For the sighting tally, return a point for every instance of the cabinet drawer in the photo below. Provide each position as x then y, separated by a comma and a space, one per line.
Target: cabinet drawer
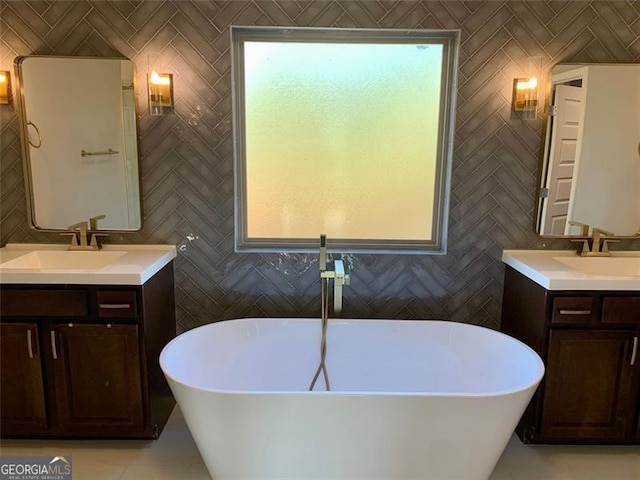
43, 303
573, 310
622, 310
117, 303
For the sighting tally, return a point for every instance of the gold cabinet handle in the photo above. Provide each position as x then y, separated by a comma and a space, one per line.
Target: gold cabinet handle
114, 306
29, 344
634, 351
53, 345
575, 312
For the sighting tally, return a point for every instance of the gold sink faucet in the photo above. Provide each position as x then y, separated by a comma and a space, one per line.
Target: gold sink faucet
600, 240
83, 236
78, 233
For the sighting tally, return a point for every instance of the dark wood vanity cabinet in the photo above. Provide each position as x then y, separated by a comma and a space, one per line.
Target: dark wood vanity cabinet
82, 360
589, 342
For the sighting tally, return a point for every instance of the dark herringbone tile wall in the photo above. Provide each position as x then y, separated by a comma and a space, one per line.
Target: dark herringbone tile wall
186, 157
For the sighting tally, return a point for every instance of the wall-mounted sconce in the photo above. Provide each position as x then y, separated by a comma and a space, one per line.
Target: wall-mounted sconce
524, 102
5, 87
160, 92
525, 94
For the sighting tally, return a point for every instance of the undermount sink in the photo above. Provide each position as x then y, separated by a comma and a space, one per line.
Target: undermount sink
608, 266
63, 260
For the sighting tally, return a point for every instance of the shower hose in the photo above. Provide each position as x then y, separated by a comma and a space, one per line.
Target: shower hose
322, 367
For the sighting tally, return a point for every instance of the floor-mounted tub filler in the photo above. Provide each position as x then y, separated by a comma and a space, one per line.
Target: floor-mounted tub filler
426, 400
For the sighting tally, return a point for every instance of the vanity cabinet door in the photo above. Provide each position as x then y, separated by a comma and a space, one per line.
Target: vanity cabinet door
22, 409
590, 390
97, 379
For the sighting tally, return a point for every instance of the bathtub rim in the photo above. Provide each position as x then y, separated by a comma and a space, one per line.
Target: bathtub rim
497, 393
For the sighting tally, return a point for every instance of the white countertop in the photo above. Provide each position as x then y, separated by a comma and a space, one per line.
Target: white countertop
135, 266
541, 267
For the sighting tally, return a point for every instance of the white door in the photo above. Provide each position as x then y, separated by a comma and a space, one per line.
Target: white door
563, 151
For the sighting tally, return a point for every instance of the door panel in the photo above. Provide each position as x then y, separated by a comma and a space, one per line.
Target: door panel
98, 383
562, 156
588, 389
22, 408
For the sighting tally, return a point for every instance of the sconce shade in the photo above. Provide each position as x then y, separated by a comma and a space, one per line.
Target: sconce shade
160, 92
525, 94
5, 87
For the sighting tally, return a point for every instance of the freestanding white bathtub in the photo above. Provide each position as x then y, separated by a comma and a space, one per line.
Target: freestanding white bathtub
426, 400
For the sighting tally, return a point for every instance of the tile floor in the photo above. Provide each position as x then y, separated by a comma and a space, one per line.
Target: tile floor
174, 457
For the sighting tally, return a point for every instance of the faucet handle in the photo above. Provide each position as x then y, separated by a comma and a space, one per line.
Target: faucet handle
74, 237
605, 244
585, 246
93, 221
94, 239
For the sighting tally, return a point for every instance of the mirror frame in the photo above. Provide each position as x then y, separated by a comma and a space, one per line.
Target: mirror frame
20, 111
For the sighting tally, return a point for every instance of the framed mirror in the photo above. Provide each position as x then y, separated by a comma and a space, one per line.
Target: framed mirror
79, 140
590, 171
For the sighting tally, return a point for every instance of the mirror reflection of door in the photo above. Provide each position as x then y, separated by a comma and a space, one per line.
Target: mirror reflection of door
607, 191
591, 163
565, 138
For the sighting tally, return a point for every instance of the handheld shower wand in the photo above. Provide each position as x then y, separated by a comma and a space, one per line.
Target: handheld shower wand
324, 284
322, 259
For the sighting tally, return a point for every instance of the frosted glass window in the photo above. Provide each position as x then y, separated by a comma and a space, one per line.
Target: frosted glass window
343, 133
